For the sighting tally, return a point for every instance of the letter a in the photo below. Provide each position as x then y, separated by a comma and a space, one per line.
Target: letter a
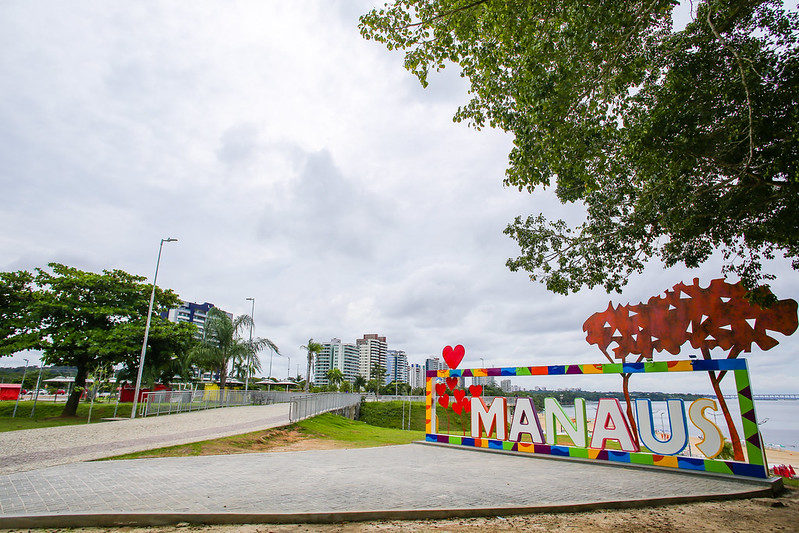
525, 422
611, 424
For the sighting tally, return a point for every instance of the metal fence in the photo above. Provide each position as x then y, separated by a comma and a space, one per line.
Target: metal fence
391, 398
307, 405
302, 405
169, 402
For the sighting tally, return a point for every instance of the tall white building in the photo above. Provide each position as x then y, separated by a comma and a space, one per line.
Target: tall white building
372, 349
417, 376
396, 366
336, 354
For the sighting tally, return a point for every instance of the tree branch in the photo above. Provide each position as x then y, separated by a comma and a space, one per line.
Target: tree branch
726, 45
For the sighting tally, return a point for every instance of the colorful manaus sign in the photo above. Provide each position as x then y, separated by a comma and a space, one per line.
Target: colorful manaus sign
609, 425
522, 431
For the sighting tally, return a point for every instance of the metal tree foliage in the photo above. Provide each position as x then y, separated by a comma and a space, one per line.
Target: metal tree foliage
720, 316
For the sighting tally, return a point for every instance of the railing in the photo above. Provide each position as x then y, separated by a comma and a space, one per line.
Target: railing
308, 405
169, 402
391, 398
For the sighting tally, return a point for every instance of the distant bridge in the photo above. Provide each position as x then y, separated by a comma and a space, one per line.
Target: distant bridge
775, 396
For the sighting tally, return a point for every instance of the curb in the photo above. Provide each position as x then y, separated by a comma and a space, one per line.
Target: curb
165, 519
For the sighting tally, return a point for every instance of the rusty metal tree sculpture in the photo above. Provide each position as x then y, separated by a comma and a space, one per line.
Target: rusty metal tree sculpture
717, 317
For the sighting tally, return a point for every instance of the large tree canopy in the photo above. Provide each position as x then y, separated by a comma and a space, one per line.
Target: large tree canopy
82, 319
678, 143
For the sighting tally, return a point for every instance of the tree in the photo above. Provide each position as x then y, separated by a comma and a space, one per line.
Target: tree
17, 320
77, 318
312, 348
224, 345
678, 143
359, 383
335, 376
378, 373
169, 350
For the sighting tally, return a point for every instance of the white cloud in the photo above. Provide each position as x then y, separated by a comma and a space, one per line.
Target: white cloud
296, 163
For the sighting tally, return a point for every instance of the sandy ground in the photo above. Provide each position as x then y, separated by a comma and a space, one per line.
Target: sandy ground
783, 457
744, 516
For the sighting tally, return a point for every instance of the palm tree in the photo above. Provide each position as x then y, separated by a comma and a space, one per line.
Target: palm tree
359, 382
223, 343
313, 348
335, 376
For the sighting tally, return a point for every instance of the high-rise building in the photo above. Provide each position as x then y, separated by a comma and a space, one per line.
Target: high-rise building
336, 354
193, 313
417, 376
372, 350
433, 363
505, 385
396, 366
484, 380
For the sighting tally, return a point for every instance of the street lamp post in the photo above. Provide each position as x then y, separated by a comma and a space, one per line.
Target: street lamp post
271, 355
20, 388
38, 385
147, 329
249, 352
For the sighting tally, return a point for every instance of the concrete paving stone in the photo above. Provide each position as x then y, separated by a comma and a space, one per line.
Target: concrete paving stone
324, 481
53, 479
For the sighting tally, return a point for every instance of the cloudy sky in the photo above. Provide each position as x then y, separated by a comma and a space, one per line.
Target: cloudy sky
297, 164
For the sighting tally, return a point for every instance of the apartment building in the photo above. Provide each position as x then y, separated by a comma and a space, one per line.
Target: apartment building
372, 349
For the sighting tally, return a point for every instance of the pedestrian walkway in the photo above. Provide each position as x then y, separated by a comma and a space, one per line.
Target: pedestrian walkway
394, 482
37, 448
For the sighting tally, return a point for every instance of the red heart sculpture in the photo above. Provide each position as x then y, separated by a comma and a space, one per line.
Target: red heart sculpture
453, 356
441, 389
444, 401
459, 394
452, 383
475, 390
467, 405
457, 407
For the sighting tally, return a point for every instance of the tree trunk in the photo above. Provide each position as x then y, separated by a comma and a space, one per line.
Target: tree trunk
71, 407
222, 383
630, 417
308, 373
736, 440
715, 381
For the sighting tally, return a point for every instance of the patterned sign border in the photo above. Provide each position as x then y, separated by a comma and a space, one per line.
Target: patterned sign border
756, 467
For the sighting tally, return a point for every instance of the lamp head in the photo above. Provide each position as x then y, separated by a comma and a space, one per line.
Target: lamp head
169, 239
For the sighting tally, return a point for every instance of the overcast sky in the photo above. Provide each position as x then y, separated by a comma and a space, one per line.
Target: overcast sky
297, 164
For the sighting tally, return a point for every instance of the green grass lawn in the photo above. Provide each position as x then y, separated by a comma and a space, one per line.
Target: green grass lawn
48, 414
356, 432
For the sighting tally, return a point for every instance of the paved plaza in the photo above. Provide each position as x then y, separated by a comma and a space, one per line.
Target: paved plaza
36, 448
409, 481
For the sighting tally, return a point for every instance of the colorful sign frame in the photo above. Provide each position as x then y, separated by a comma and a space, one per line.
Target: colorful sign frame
756, 467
